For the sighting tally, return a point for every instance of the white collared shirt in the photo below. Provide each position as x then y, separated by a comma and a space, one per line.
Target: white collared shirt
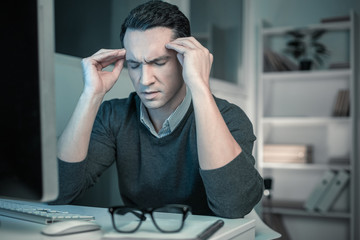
171, 122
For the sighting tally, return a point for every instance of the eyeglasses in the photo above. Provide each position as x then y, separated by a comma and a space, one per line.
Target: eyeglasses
128, 219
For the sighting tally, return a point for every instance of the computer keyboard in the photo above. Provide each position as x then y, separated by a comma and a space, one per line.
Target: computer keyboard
34, 213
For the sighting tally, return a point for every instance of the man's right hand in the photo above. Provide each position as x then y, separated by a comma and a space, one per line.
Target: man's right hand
73, 143
97, 81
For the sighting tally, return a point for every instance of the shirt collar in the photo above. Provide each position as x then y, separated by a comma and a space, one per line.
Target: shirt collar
171, 122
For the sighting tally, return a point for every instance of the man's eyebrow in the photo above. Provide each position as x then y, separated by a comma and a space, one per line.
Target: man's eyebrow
161, 58
158, 59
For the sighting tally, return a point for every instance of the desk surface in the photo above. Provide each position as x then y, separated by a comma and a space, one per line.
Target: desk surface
13, 229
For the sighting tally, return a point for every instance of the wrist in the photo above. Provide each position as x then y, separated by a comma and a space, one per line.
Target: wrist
200, 92
92, 96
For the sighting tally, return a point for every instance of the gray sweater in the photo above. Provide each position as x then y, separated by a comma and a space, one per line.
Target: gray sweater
154, 171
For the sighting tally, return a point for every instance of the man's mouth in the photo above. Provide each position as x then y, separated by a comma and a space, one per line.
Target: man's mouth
149, 95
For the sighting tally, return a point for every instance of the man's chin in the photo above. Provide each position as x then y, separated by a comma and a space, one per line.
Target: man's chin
153, 104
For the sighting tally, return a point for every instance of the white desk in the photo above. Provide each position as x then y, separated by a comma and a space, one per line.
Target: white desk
13, 229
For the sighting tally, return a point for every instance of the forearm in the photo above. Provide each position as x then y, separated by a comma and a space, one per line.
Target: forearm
74, 142
216, 146
233, 185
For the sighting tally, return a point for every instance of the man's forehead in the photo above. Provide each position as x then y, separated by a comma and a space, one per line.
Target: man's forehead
148, 44
148, 55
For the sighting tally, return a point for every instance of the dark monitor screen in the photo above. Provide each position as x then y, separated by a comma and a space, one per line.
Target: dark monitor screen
28, 168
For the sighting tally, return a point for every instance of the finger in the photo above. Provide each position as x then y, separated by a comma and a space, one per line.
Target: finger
101, 51
118, 67
107, 57
180, 57
194, 42
104, 50
176, 47
211, 59
185, 42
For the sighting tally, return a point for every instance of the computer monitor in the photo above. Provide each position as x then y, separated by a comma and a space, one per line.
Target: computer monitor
28, 165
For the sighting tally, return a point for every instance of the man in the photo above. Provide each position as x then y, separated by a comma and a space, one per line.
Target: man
172, 140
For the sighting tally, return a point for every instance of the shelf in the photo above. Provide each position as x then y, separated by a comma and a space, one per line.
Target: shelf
305, 166
296, 208
306, 75
303, 212
326, 26
305, 120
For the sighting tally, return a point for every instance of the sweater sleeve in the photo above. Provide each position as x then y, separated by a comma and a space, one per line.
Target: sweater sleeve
71, 177
76, 178
234, 189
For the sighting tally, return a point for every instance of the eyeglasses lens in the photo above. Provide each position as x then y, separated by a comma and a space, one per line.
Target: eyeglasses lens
127, 220
165, 224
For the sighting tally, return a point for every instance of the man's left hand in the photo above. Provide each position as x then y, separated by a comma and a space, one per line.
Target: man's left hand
196, 61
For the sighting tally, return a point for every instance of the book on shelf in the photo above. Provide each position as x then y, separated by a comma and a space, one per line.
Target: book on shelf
274, 62
342, 103
287, 153
333, 192
342, 202
319, 190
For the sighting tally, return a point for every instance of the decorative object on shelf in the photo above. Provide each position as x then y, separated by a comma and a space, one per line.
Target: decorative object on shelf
287, 153
305, 48
267, 187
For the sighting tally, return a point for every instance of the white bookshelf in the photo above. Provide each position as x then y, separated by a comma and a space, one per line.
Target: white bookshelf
296, 107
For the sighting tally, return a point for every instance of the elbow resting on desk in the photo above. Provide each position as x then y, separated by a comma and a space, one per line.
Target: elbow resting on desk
234, 197
240, 208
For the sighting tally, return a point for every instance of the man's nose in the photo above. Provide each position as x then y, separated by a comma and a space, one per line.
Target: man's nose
147, 75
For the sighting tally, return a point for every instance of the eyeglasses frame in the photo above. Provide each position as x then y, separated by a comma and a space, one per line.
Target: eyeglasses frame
186, 210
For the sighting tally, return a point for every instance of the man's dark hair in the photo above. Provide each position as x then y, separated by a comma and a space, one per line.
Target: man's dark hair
156, 14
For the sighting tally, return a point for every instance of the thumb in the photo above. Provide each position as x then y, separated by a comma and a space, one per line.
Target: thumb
180, 57
118, 67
